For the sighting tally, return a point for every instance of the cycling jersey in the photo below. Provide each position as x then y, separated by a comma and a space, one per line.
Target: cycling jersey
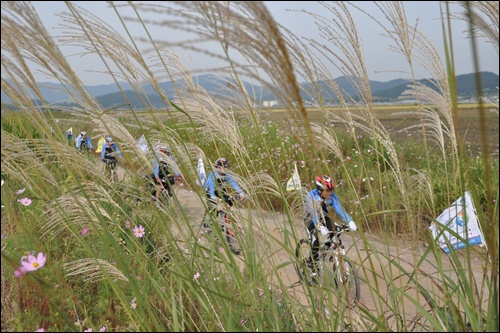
316, 207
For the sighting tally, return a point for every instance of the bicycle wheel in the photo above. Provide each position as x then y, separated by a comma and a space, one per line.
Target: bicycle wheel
345, 279
114, 172
303, 264
228, 227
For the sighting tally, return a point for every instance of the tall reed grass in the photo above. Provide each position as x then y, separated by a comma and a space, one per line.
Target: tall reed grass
101, 272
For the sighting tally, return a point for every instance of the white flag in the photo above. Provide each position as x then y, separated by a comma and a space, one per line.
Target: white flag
461, 218
142, 144
201, 172
294, 181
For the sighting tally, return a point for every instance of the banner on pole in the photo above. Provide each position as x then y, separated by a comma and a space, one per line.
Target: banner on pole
142, 144
294, 181
201, 172
458, 224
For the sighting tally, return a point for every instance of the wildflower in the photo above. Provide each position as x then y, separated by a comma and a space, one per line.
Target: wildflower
33, 263
25, 201
139, 231
2, 182
348, 158
327, 312
196, 275
133, 304
88, 329
21, 271
84, 231
127, 224
21, 191
40, 329
102, 329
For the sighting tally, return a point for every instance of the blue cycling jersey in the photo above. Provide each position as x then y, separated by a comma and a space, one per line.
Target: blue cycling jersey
213, 178
315, 210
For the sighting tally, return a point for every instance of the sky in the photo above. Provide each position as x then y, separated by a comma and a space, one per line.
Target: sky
382, 63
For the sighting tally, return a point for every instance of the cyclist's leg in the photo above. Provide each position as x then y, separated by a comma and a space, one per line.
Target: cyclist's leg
314, 240
114, 170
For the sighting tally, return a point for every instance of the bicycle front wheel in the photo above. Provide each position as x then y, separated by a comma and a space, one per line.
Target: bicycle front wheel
345, 279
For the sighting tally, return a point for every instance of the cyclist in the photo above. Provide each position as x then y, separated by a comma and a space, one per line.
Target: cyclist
217, 181
109, 152
162, 174
318, 201
69, 136
83, 141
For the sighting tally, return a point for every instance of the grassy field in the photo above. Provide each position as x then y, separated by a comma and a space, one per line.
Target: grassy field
397, 119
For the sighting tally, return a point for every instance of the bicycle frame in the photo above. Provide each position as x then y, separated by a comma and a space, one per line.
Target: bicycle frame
220, 212
111, 169
333, 268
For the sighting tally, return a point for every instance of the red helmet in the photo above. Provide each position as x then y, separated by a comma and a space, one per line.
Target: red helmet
324, 183
221, 162
165, 150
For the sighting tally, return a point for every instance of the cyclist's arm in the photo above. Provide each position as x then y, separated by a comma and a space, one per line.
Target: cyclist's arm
156, 171
235, 185
117, 151
310, 208
103, 151
156, 168
335, 202
211, 184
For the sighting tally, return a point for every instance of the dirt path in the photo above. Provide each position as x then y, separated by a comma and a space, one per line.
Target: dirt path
377, 263
372, 260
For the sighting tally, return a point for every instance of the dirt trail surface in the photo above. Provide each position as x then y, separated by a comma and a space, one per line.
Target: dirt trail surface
371, 257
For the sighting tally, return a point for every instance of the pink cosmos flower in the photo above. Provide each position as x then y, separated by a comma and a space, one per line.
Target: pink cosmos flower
139, 231
127, 224
40, 330
88, 329
102, 329
133, 304
20, 271
25, 201
84, 231
21, 191
196, 275
33, 263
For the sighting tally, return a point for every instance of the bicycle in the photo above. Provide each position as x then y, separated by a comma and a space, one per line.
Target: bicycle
332, 268
153, 187
110, 169
220, 211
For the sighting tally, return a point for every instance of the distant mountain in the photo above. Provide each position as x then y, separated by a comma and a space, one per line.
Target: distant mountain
110, 96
